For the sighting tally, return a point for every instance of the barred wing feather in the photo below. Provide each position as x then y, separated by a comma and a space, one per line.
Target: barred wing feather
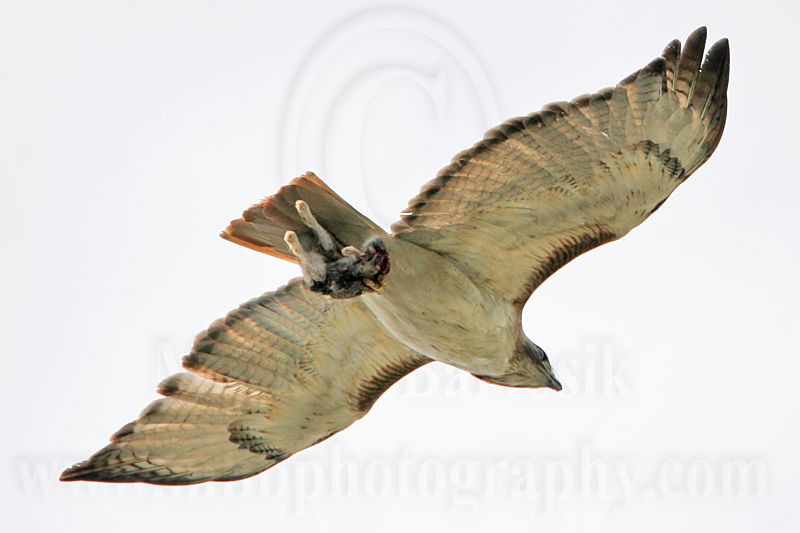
280, 373
539, 190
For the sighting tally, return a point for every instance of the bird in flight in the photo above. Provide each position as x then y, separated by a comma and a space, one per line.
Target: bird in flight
290, 368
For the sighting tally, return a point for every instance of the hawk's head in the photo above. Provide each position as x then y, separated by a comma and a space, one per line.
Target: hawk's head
529, 367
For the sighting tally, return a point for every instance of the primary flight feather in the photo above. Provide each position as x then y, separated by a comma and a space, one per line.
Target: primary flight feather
292, 367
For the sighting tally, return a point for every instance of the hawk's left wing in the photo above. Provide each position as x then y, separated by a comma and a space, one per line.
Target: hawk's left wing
280, 373
538, 191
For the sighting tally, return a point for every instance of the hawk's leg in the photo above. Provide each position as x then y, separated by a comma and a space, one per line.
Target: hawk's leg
343, 272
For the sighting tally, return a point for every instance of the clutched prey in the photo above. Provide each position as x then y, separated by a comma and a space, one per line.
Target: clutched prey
336, 270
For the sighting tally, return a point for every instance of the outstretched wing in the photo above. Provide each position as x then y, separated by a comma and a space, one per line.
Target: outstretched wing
539, 190
280, 373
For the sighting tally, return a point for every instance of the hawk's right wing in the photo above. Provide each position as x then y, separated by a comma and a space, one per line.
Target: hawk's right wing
280, 373
540, 190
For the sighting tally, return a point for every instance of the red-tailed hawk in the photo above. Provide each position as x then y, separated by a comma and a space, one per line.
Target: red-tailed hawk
292, 367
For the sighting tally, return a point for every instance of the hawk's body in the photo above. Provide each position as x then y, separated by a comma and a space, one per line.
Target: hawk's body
477, 331
290, 368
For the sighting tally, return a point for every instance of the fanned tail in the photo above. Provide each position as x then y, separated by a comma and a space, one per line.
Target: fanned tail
263, 226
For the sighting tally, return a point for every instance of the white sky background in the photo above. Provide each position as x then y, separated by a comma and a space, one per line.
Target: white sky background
132, 132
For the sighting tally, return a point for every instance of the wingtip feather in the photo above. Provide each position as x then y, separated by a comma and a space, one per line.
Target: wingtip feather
697, 39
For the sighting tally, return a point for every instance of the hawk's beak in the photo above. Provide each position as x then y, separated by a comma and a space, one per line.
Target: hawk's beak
554, 384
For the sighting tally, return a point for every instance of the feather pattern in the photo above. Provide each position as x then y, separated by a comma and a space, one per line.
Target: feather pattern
262, 226
280, 373
539, 190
